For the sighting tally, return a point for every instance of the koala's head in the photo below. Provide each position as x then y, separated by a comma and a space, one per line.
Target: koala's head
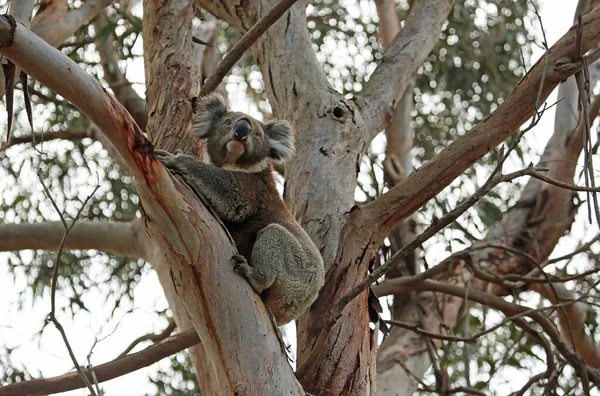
238, 141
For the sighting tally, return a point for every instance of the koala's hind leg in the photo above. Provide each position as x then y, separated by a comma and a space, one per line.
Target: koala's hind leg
278, 265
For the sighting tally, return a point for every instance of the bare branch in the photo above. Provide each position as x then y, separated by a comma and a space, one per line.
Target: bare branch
117, 81
149, 337
52, 316
21, 11
382, 215
44, 24
572, 319
123, 238
564, 185
401, 61
236, 52
583, 84
106, 371
152, 180
44, 137
583, 248
509, 309
430, 231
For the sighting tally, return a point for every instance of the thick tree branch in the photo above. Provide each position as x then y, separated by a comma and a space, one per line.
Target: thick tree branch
380, 216
57, 22
21, 11
105, 44
106, 371
401, 61
153, 182
125, 238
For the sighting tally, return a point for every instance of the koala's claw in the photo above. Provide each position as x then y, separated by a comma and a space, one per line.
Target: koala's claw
162, 154
240, 265
165, 153
170, 160
239, 259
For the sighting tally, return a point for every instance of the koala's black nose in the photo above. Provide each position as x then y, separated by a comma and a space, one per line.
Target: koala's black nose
242, 129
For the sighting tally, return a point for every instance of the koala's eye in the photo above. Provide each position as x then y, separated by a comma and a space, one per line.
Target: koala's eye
227, 122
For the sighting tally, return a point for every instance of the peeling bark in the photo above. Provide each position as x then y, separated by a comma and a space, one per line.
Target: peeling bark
171, 80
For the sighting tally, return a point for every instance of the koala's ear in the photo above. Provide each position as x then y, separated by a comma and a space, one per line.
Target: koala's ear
281, 140
209, 110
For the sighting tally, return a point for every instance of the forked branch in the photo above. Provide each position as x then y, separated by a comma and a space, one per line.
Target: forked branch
381, 216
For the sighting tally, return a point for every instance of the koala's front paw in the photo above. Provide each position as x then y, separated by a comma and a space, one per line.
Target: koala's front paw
172, 161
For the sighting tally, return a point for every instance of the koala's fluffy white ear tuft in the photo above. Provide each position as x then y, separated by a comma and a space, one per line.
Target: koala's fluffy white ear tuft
281, 140
209, 110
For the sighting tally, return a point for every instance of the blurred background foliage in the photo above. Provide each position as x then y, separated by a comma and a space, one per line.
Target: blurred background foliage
484, 50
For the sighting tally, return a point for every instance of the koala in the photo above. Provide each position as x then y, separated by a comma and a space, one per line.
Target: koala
276, 255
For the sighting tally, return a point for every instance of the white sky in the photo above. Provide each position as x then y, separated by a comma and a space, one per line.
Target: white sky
47, 353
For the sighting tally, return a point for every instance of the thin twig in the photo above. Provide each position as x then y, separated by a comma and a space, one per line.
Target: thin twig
236, 52
507, 308
472, 339
583, 85
52, 316
564, 185
430, 231
396, 259
585, 247
150, 337
38, 138
91, 368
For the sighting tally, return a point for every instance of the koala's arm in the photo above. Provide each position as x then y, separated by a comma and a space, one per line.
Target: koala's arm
220, 187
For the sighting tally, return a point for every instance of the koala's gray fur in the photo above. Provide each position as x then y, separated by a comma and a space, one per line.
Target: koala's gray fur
276, 255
